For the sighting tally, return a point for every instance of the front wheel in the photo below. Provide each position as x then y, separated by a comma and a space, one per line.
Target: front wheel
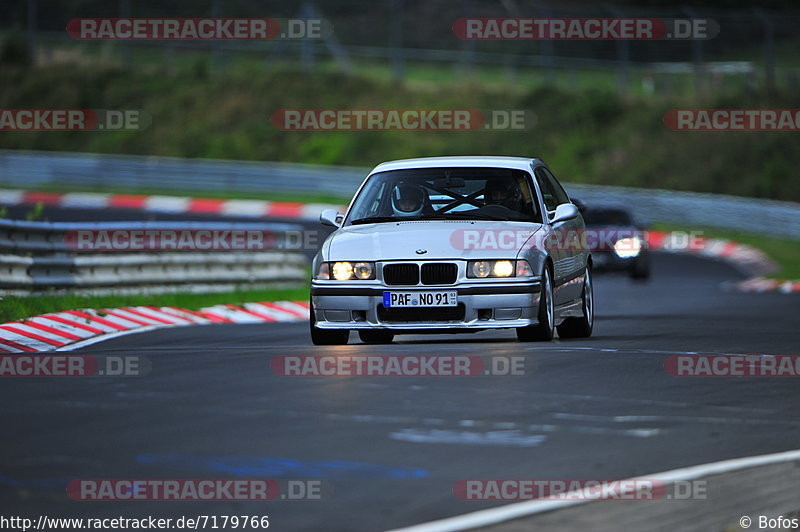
544, 330
581, 327
641, 270
323, 336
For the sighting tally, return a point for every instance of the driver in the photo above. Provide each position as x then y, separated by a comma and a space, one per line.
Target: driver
407, 200
504, 193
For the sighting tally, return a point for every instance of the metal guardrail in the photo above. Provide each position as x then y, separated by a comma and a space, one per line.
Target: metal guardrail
37, 169
37, 237
36, 256
694, 209
26, 169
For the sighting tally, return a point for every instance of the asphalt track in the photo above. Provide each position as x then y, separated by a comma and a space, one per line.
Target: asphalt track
389, 449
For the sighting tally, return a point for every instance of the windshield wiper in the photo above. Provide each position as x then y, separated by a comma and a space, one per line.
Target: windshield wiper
433, 216
462, 216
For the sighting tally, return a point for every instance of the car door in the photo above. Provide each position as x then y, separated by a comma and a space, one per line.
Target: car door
568, 257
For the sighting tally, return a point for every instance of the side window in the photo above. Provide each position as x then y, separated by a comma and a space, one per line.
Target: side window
552, 192
558, 190
548, 194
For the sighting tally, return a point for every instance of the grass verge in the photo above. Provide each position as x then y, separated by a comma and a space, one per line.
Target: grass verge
785, 253
587, 136
14, 308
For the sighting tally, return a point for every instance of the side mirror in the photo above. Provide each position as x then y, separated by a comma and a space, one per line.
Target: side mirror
330, 217
564, 212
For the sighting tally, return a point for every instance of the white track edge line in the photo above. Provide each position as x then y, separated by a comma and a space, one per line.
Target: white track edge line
110, 336
518, 510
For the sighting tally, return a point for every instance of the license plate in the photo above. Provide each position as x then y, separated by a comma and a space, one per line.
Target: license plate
420, 299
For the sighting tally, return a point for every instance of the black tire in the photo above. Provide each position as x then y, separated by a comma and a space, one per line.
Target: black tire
641, 270
581, 327
323, 336
544, 330
376, 336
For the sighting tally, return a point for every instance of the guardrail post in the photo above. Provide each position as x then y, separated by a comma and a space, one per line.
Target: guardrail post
397, 9
125, 45
769, 49
466, 60
547, 47
306, 44
697, 58
216, 45
623, 56
33, 15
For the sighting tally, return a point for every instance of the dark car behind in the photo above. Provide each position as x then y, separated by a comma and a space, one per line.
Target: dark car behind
619, 239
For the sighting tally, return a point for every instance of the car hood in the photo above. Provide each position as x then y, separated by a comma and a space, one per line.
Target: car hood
441, 239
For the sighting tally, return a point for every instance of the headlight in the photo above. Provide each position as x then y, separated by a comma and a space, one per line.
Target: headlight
627, 248
342, 271
496, 268
481, 268
346, 271
503, 268
364, 270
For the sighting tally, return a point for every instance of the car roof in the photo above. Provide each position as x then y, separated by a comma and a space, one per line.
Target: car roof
517, 163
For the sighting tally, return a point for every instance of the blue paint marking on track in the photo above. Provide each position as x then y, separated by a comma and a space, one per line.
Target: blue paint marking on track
280, 467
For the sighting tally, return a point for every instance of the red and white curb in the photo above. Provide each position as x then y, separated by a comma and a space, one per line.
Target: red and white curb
59, 330
747, 258
168, 204
760, 284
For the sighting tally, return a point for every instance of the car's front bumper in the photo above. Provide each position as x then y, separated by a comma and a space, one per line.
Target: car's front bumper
481, 306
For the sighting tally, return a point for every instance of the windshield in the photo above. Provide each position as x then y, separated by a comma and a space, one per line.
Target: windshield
607, 217
446, 193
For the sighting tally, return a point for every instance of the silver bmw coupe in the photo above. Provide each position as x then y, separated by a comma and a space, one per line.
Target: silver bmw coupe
453, 244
